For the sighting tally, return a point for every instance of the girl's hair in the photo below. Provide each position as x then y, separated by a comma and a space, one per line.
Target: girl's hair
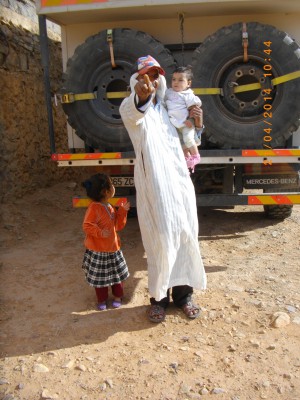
96, 186
185, 70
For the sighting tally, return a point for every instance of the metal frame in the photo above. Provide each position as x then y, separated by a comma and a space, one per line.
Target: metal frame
256, 156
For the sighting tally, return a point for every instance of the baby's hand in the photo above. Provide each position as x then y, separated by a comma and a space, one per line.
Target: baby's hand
125, 205
188, 123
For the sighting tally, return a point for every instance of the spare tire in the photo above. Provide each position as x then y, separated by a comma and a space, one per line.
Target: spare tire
98, 121
239, 120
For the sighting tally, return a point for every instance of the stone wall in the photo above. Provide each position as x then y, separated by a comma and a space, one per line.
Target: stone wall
25, 150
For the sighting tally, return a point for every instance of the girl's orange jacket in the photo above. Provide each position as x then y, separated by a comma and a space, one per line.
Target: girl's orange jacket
99, 218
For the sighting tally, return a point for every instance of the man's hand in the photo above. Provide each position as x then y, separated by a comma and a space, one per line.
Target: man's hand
144, 89
197, 113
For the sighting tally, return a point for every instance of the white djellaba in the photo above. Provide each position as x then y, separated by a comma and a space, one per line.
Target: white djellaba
166, 203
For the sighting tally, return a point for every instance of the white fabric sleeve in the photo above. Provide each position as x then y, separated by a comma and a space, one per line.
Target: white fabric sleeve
192, 100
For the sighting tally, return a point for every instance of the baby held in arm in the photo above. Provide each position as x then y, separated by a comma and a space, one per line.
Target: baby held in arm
180, 101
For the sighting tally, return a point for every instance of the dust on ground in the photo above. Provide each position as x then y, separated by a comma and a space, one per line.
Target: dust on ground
56, 345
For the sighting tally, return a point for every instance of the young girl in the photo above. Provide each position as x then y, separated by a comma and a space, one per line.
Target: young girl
103, 261
179, 99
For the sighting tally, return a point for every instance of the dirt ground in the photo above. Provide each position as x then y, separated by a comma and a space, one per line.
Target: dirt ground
56, 345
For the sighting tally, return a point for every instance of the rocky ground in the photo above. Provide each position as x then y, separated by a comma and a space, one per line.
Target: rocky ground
55, 345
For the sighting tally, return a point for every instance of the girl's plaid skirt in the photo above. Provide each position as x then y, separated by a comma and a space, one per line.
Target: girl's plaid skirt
104, 269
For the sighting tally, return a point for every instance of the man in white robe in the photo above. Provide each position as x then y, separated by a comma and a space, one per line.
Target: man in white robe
165, 195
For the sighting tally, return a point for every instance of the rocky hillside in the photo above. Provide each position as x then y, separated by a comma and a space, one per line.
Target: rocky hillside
25, 150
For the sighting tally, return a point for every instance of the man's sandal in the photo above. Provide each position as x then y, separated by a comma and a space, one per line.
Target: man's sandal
156, 313
191, 310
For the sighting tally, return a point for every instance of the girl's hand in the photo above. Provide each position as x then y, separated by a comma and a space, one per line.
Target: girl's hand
105, 233
125, 205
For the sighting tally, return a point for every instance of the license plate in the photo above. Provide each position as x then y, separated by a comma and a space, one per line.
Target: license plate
122, 181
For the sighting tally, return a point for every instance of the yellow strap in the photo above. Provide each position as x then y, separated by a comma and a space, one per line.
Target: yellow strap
84, 96
117, 95
285, 78
246, 88
208, 91
70, 97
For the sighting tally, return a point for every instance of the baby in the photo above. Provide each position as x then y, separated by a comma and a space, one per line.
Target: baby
179, 99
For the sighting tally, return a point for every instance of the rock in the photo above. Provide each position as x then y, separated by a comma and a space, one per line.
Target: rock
81, 367
271, 347
174, 367
204, 391
72, 185
290, 309
40, 368
47, 395
185, 338
69, 364
232, 347
184, 389
287, 376
280, 319
9, 396
109, 382
218, 391
254, 343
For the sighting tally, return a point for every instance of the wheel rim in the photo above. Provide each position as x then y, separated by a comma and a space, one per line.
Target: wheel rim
245, 107
105, 80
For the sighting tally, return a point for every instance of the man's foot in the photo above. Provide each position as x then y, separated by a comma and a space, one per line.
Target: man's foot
156, 313
191, 310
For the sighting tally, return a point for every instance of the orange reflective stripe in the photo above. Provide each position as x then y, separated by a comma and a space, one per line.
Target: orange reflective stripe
56, 3
268, 153
274, 199
85, 156
81, 202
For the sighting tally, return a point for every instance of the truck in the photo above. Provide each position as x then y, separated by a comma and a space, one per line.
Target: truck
246, 65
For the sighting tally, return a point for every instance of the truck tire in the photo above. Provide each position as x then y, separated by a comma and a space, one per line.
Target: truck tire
280, 211
89, 70
251, 119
